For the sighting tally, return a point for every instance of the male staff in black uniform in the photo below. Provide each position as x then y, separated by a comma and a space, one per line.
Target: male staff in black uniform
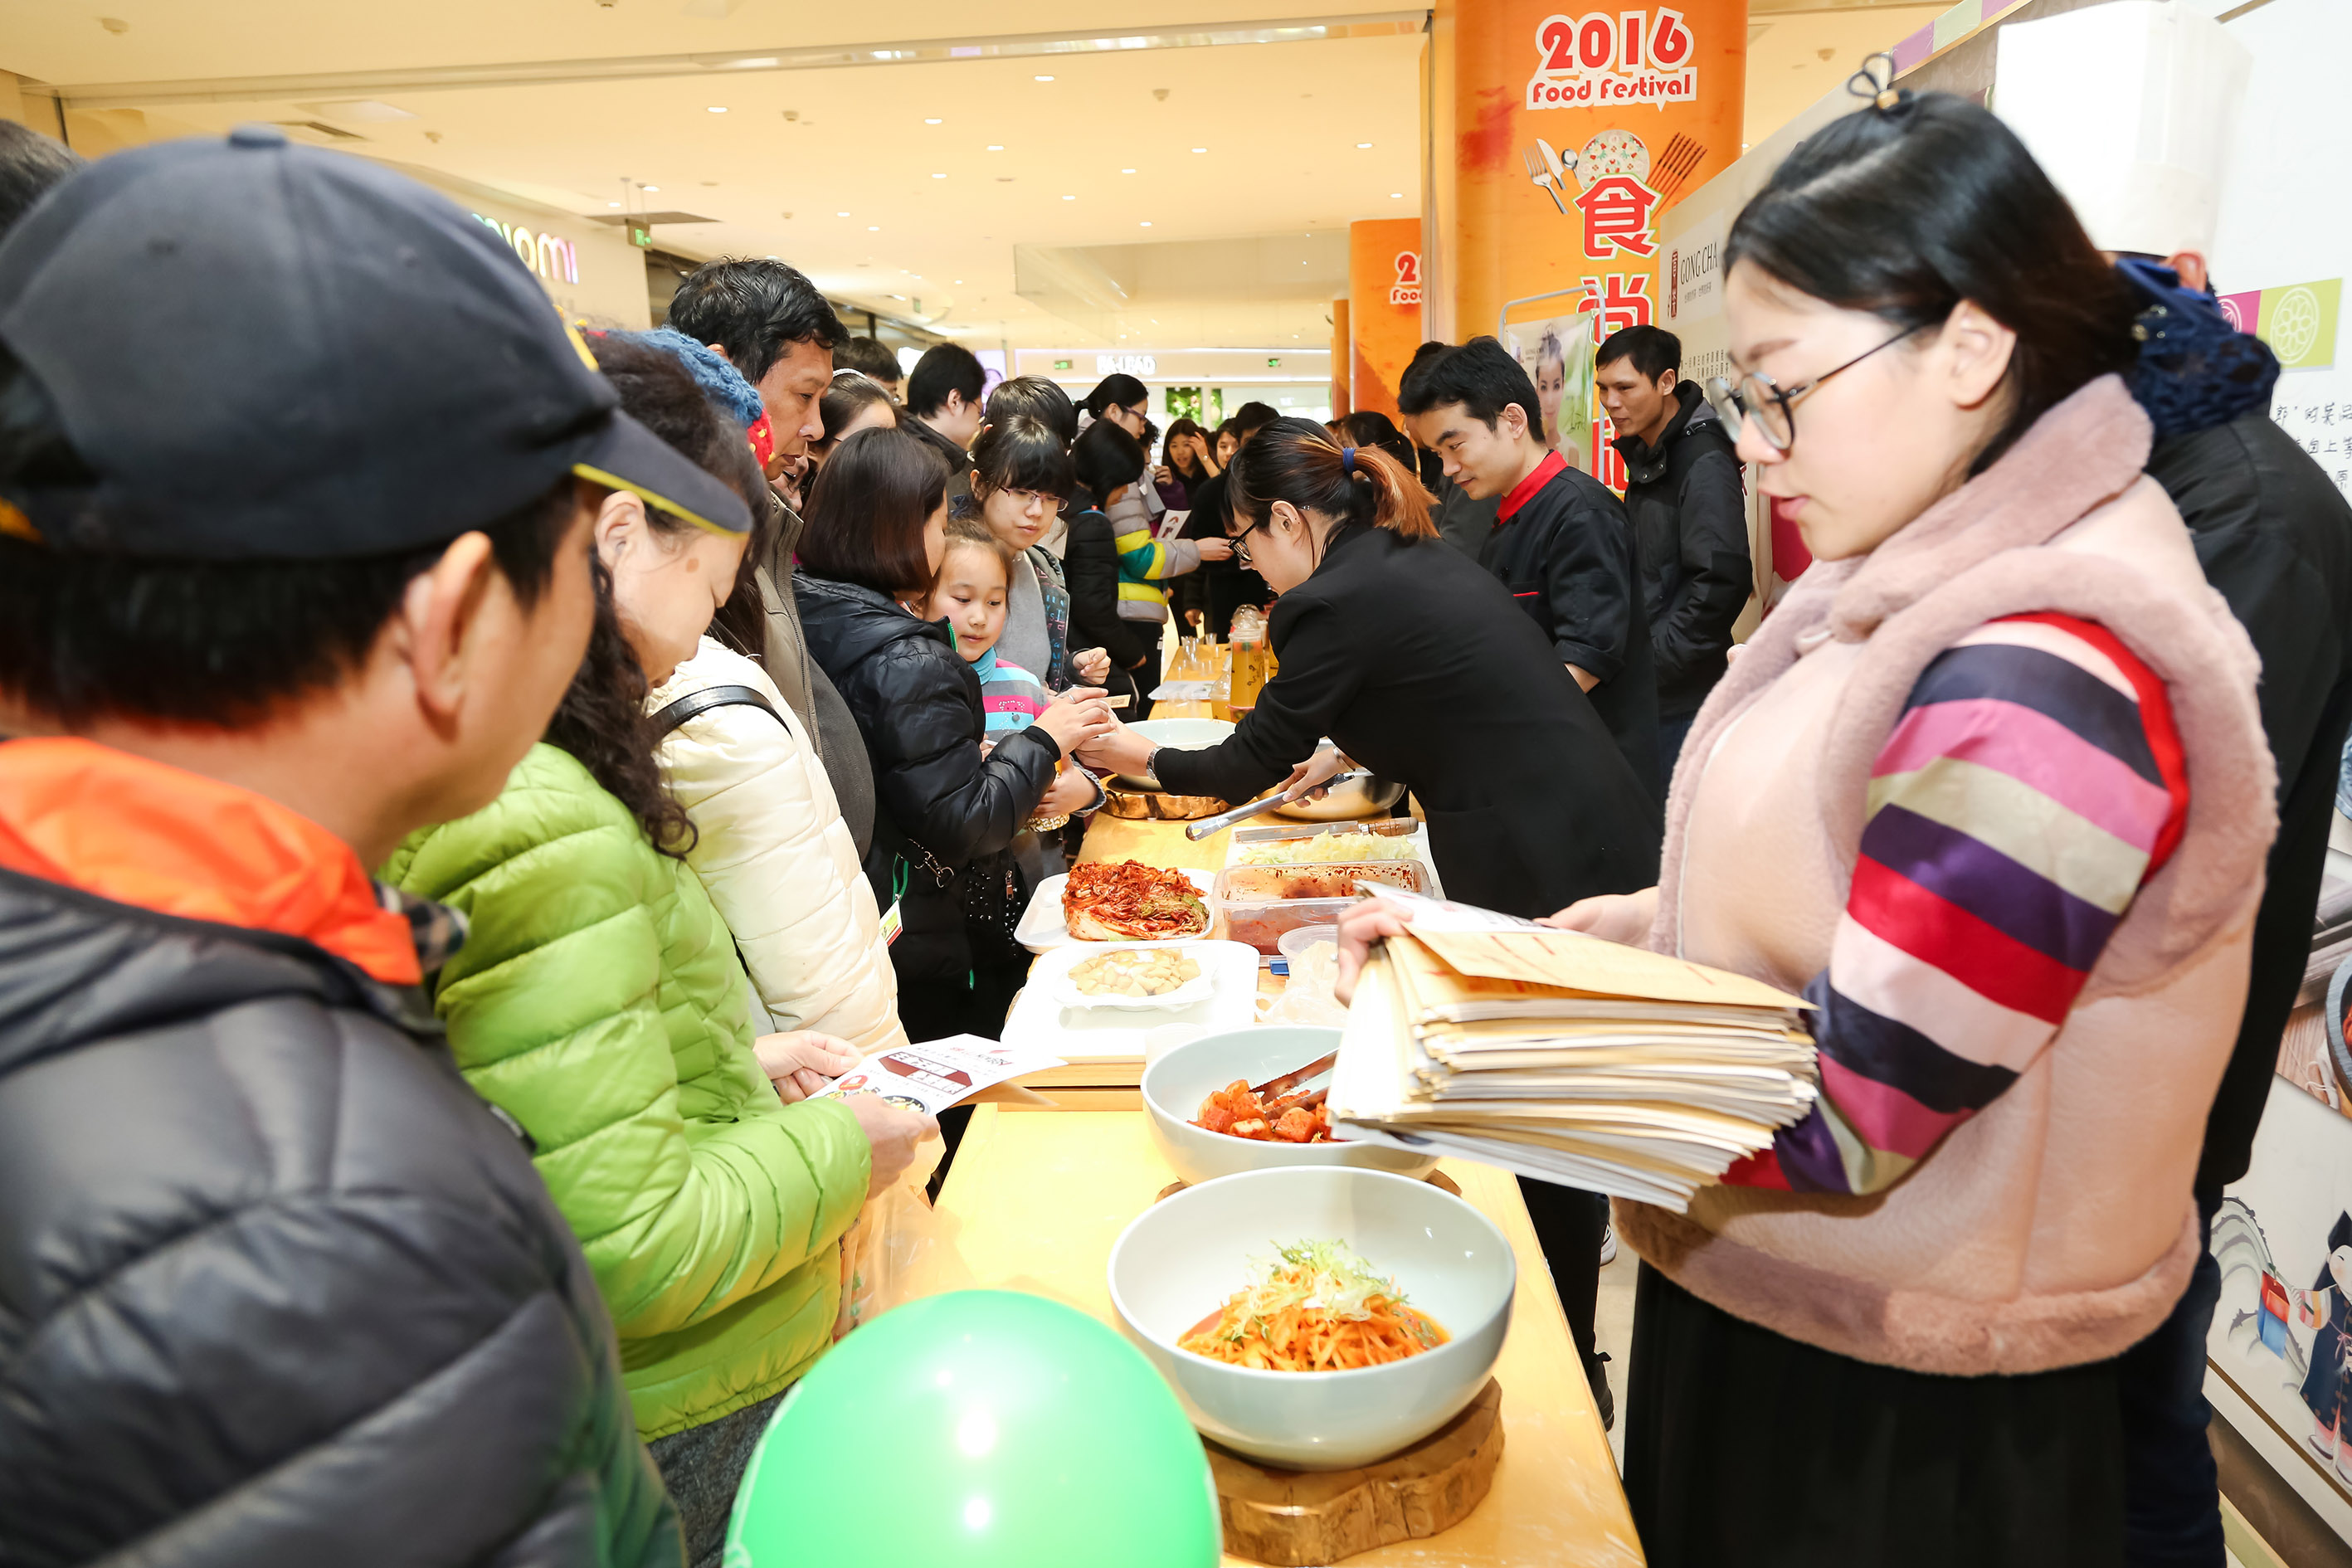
1561, 541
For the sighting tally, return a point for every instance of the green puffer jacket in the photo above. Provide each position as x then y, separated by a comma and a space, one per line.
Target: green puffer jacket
598, 999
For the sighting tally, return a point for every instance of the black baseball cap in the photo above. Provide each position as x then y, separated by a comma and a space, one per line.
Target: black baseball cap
263, 351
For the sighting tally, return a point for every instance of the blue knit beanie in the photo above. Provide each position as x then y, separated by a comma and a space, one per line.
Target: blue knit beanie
721, 382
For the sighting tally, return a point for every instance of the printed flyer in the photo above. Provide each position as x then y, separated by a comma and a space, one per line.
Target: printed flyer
937, 1074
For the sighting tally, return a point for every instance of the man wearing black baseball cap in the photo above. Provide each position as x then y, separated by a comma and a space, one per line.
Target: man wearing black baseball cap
296, 473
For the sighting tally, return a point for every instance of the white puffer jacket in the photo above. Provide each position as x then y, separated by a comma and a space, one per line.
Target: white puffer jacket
777, 858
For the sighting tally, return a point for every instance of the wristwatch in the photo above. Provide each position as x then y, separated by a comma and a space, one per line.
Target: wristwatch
1150, 759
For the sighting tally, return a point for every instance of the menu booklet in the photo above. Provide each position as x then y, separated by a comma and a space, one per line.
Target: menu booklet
1562, 1056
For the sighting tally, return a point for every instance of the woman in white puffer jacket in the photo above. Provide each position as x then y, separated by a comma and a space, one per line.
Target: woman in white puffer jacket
776, 857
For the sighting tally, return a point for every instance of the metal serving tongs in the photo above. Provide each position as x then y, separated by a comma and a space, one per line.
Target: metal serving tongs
1196, 831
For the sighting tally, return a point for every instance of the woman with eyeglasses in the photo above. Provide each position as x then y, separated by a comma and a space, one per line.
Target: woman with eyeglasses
1121, 400
1020, 482
1990, 789
1417, 665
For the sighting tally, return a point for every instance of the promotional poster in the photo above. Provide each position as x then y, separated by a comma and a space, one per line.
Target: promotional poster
1576, 133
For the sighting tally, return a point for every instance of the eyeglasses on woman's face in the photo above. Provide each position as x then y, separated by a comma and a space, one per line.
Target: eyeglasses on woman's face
1770, 407
1241, 540
1044, 501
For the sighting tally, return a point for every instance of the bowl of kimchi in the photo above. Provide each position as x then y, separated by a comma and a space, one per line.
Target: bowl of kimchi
1201, 1081
1316, 1320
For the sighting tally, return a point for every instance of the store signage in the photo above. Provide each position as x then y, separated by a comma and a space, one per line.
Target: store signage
1406, 290
1062, 364
1605, 59
1128, 364
550, 256
1272, 363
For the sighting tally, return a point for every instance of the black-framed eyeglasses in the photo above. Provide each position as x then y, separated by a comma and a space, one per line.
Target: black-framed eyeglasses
1241, 540
1770, 407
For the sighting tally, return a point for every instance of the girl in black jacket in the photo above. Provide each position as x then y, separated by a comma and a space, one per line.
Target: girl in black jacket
944, 815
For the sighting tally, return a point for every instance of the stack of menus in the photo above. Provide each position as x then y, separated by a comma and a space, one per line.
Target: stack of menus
1566, 1058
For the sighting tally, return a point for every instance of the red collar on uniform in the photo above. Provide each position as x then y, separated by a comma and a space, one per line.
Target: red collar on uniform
150, 835
1525, 491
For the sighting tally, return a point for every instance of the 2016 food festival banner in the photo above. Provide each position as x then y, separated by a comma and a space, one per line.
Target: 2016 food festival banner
1573, 133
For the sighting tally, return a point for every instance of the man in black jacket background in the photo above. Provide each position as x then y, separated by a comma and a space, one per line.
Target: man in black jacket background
2274, 537
1561, 541
276, 1286
943, 398
1684, 493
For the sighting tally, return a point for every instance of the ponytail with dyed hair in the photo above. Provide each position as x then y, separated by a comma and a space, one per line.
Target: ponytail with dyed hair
1297, 461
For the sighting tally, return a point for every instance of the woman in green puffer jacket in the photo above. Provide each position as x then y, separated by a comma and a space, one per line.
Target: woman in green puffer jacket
598, 999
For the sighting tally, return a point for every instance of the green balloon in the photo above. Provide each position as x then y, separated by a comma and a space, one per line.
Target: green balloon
977, 1429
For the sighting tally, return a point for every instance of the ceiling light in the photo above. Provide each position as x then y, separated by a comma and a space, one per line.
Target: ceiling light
1396, 195
1200, 149
611, 204
874, 228
650, 190
717, 109
1127, 171
931, 122
1146, 224
996, 146
1363, 144
1069, 198
841, 215
1042, 78
959, 279
939, 176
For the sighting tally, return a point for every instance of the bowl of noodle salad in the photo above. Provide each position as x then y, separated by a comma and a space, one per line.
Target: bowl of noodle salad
1315, 1317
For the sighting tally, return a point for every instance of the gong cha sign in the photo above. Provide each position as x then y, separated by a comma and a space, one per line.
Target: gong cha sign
1625, 111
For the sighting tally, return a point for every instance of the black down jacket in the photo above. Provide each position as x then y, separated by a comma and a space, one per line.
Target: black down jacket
2274, 536
1689, 509
276, 1287
944, 817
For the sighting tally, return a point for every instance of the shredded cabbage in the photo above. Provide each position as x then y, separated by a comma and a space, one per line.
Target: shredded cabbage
1331, 848
1324, 1276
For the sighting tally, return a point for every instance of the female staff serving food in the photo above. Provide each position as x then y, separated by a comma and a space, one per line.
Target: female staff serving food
1419, 665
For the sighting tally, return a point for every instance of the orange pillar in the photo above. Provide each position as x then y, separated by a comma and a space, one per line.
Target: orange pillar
1571, 134
1383, 308
1340, 405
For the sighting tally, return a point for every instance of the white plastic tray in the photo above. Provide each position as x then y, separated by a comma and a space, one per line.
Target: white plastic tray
1241, 838
1041, 929
1053, 972
1094, 1034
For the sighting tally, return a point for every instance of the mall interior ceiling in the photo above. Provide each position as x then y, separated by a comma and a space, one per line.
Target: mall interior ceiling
897, 153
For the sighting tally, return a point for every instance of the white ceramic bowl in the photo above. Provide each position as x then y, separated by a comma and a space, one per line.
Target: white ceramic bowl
1175, 1084
1184, 1256
1180, 734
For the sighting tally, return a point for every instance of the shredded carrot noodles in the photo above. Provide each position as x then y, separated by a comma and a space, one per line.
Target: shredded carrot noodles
1319, 1309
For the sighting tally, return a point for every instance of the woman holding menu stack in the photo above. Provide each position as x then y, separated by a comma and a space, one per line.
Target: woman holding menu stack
1990, 787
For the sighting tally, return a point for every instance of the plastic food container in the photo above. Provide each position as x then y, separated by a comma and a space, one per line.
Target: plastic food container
1299, 939
1261, 903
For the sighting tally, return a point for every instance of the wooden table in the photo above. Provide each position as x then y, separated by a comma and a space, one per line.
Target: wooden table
1036, 1199
1034, 1202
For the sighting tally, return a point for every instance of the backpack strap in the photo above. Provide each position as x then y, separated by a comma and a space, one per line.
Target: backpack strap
696, 703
